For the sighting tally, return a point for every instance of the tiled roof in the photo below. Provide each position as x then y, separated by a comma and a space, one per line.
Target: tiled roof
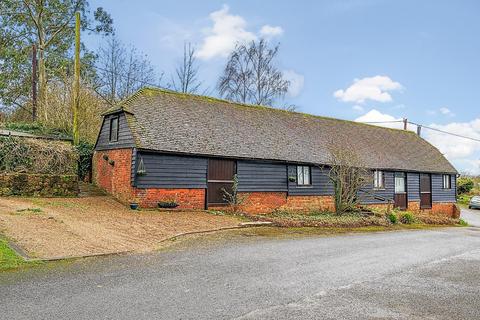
167, 121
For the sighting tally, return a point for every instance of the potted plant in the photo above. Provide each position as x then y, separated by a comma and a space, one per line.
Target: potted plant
134, 205
167, 204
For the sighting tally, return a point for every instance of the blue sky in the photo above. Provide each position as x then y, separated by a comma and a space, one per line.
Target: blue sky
365, 60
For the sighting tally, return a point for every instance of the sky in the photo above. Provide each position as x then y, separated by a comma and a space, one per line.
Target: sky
369, 60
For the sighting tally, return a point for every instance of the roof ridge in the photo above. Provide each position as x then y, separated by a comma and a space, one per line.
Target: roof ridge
149, 90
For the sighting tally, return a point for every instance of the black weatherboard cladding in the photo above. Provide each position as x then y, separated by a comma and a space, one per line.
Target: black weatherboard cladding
125, 138
261, 176
413, 186
171, 171
370, 194
321, 184
443, 195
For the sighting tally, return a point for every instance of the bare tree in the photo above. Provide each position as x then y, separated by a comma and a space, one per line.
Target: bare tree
251, 76
122, 71
348, 175
186, 74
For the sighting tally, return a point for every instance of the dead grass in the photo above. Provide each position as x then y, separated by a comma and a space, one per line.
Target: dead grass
68, 227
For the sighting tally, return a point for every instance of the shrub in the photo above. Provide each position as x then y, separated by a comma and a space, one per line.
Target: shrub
392, 217
463, 223
464, 185
25, 155
407, 218
167, 204
85, 153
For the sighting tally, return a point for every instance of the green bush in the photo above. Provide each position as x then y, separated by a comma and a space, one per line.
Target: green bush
463, 223
392, 217
464, 185
85, 153
407, 218
464, 199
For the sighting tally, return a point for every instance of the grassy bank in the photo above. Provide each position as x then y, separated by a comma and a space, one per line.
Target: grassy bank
9, 260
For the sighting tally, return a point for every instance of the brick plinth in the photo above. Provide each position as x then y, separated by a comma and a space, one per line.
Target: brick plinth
449, 209
262, 202
414, 206
310, 203
186, 198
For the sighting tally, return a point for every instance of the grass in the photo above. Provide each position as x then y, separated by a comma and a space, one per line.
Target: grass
30, 210
9, 260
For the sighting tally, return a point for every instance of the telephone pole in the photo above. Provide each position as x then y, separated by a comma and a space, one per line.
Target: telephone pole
34, 83
76, 81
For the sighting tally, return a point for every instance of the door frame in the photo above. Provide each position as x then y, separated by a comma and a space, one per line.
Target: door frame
219, 204
404, 193
420, 190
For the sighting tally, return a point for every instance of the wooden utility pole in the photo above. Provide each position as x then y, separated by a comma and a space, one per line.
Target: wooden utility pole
76, 81
34, 83
405, 122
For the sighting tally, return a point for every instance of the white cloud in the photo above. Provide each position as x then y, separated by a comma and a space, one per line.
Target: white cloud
268, 31
296, 82
462, 152
455, 147
376, 116
446, 111
358, 108
227, 30
375, 88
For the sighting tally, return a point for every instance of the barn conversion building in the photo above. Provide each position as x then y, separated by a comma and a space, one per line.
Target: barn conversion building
160, 145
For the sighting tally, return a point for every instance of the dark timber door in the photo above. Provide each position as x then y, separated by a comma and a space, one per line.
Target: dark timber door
220, 176
425, 191
400, 197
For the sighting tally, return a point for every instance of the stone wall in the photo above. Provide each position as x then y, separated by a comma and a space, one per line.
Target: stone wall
38, 185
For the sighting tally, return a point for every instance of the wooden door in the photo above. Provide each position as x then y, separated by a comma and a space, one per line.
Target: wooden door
425, 191
400, 197
220, 177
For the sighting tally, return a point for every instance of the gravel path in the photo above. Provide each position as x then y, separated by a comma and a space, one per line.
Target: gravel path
68, 227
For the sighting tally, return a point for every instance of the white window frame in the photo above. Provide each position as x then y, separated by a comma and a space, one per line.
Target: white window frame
378, 180
447, 181
304, 176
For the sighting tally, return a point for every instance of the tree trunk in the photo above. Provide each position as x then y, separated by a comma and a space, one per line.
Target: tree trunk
42, 84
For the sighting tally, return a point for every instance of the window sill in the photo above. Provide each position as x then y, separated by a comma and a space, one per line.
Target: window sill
307, 186
379, 189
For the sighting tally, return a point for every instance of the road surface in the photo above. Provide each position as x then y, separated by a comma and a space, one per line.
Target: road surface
432, 274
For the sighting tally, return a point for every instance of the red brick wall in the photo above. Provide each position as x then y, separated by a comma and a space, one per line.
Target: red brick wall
116, 180
186, 198
267, 202
447, 208
308, 203
262, 202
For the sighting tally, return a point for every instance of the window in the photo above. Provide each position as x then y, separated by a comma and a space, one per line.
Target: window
113, 129
399, 182
447, 181
378, 180
303, 176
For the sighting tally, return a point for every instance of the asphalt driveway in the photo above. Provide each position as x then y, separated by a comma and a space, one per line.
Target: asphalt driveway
431, 274
472, 216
